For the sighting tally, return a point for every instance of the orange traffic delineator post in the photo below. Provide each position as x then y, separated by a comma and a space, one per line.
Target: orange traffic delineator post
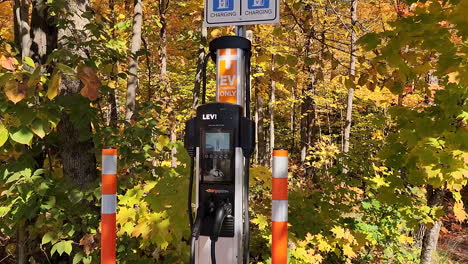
279, 208
108, 206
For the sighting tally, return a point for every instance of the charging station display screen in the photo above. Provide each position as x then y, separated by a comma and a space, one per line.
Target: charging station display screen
217, 157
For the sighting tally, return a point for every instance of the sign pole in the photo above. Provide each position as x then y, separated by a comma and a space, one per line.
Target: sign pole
241, 31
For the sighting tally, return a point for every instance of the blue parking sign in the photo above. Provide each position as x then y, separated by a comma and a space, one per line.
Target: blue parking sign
259, 4
223, 5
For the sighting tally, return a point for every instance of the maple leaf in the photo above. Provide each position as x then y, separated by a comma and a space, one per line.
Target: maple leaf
459, 211
88, 243
88, 76
142, 229
380, 181
261, 221
338, 231
348, 251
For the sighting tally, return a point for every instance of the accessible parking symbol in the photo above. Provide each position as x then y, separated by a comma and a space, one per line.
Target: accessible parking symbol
259, 4
223, 5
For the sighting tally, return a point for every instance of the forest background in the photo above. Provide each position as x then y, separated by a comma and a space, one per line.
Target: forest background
369, 96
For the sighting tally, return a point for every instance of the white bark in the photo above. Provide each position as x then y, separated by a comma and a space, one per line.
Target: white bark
21, 9
272, 119
132, 82
352, 73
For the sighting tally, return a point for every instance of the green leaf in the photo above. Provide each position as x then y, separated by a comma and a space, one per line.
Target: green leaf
64, 246
76, 196
65, 69
28, 61
349, 84
14, 177
369, 41
54, 85
3, 135
23, 135
4, 210
35, 77
162, 142
47, 238
78, 257
38, 128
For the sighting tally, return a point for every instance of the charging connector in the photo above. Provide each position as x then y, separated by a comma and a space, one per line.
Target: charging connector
225, 210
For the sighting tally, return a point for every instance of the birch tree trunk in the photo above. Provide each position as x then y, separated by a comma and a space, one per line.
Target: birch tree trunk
22, 39
132, 82
21, 16
16, 23
112, 100
272, 114
200, 61
38, 31
163, 8
43, 32
293, 121
435, 197
78, 159
260, 115
352, 73
21, 256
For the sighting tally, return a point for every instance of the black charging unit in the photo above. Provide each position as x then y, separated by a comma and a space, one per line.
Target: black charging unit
220, 140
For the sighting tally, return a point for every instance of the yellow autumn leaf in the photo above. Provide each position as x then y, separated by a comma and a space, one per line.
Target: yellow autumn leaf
405, 239
459, 211
54, 85
15, 91
141, 229
215, 33
380, 181
261, 221
454, 77
323, 245
348, 251
338, 231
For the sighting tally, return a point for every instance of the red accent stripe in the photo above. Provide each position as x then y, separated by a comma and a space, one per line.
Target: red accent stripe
109, 184
280, 188
279, 243
109, 152
108, 239
280, 153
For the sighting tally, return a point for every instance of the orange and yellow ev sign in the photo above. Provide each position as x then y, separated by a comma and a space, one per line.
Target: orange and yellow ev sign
229, 76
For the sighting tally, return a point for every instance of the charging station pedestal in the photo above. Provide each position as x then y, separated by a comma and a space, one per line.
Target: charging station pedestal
221, 140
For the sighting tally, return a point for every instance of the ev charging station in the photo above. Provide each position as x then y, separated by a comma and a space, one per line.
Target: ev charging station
220, 139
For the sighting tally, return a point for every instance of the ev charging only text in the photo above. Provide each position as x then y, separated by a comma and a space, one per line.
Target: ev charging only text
228, 83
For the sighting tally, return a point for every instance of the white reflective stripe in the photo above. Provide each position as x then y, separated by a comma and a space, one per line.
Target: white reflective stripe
109, 164
280, 167
279, 211
108, 204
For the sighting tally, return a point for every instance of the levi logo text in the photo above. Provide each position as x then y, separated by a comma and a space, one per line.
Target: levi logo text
210, 116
